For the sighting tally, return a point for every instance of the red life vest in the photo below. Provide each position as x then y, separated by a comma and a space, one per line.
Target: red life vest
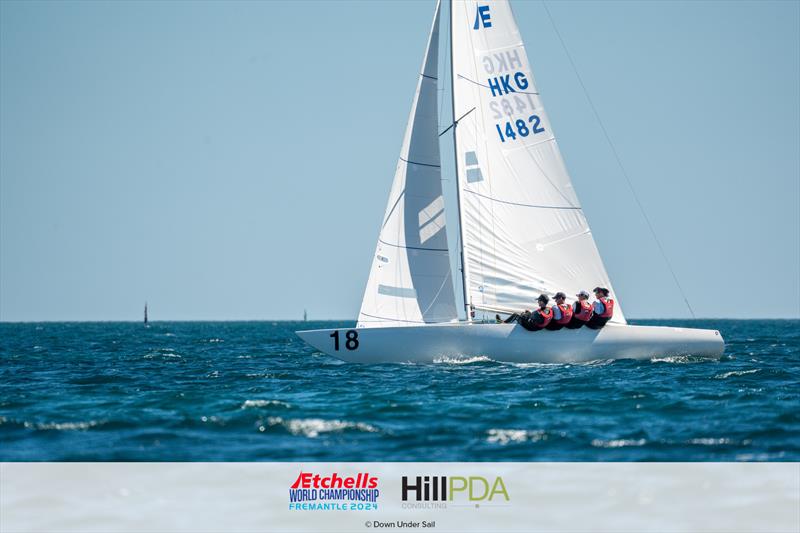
586, 311
546, 314
608, 304
566, 314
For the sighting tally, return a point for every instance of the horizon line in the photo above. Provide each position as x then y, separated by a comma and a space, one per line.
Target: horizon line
140, 321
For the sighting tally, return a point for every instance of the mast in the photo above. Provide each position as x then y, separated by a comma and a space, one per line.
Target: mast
464, 275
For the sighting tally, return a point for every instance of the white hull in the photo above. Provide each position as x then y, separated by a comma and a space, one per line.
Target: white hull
512, 343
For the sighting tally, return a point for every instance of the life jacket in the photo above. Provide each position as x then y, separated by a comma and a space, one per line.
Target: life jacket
547, 316
586, 311
608, 305
566, 313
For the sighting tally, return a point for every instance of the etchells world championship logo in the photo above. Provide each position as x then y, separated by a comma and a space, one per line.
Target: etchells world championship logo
315, 492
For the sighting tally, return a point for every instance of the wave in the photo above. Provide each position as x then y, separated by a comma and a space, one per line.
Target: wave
167, 354
618, 443
681, 359
506, 436
312, 427
64, 426
708, 441
537, 365
462, 360
733, 373
264, 403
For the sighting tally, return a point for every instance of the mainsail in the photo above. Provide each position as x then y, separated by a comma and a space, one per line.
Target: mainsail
410, 281
524, 232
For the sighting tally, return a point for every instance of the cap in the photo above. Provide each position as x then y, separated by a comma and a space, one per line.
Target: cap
543, 298
601, 290
559, 295
583, 293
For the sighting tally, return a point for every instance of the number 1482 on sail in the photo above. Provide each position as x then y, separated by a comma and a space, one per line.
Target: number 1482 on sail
519, 127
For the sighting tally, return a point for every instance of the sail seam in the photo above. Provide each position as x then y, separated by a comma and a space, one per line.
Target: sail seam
413, 247
521, 204
487, 87
420, 164
383, 318
429, 77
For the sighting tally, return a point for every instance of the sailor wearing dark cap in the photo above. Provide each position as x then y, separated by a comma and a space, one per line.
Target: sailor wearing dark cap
535, 321
603, 308
540, 318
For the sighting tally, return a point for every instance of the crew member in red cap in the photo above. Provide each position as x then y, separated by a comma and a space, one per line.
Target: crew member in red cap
562, 312
603, 308
581, 311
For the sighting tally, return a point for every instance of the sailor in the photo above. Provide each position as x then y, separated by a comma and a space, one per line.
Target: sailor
541, 317
535, 321
562, 312
603, 308
515, 317
581, 311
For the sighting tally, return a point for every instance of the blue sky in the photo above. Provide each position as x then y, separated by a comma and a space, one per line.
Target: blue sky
232, 161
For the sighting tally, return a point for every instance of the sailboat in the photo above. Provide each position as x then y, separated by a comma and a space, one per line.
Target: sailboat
522, 231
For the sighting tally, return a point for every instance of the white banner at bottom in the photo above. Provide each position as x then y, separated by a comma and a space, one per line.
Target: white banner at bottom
434, 497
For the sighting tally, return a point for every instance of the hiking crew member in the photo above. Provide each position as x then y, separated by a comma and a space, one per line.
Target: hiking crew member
581, 312
535, 321
603, 308
541, 317
562, 312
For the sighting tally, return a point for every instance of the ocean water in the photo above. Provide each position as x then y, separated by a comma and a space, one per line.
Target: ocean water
253, 391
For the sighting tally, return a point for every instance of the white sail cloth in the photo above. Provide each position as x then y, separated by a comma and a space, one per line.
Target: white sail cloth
410, 281
524, 231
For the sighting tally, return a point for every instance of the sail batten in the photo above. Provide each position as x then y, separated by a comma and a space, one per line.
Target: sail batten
523, 230
410, 281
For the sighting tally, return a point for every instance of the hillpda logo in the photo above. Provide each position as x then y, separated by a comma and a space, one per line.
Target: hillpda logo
435, 492
315, 492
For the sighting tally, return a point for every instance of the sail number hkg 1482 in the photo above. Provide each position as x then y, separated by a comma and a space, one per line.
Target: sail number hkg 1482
519, 127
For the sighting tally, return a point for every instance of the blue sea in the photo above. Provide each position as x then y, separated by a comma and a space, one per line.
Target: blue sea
253, 391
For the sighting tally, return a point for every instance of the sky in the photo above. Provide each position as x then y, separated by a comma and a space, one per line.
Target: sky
232, 160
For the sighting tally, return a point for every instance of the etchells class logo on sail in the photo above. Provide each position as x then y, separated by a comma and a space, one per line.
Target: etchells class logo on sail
436, 492
332, 492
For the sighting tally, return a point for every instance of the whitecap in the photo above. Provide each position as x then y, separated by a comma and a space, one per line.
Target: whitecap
64, 426
618, 443
680, 359
263, 403
153, 355
736, 373
596, 362
707, 441
215, 340
505, 436
312, 427
537, 365
461, 360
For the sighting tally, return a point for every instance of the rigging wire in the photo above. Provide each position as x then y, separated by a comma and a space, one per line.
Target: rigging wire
619, 161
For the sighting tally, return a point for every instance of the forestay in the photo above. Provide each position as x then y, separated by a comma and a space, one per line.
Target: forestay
524, 231
410, 281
